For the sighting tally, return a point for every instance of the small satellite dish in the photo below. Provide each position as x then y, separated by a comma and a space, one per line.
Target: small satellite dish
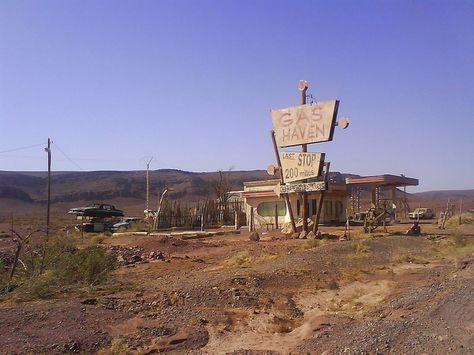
302, 85
343, 123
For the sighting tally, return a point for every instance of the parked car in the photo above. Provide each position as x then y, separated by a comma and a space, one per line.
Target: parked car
421, 213
126, 223
98, 210
359, 217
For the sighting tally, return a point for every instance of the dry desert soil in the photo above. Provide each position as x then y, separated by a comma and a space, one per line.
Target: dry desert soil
226, 294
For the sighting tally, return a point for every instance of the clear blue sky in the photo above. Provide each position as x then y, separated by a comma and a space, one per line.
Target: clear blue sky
192, 83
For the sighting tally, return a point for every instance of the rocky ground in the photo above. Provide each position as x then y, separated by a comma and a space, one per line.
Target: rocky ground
378, 294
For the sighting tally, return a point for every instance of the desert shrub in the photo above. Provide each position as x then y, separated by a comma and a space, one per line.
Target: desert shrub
138, 227
360, 248
356, 272
412, 259
117, 347
459, 240
64, 265
87, 265
98, 239
466, 218
238, 259
457, 246
311, 243
39, 287
3, 274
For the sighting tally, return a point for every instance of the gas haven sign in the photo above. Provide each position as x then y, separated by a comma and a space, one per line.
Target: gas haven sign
305, 124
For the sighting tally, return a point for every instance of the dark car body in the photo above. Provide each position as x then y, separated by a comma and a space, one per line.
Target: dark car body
97, 210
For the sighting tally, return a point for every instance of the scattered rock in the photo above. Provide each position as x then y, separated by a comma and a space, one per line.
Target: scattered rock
254, 236
89, 301
135, 255
311, 235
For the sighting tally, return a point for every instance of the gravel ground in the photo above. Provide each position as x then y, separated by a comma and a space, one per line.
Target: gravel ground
278, 297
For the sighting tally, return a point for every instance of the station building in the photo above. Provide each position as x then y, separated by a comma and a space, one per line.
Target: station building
341, 198
265, 202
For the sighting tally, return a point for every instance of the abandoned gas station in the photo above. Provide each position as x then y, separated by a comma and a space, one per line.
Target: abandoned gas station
304, 190
268, 209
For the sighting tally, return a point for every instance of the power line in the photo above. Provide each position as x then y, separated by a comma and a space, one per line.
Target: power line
67, 157
21, 148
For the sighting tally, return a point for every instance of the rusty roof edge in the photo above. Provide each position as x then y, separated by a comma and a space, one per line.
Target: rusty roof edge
383, 180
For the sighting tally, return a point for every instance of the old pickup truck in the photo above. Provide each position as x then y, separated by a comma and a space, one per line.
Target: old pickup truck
97, 210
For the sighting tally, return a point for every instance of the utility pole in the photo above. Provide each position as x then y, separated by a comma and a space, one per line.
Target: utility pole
48, 150
148, 194
303, 87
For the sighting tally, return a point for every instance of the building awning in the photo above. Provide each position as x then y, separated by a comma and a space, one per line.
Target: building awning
265, 193
335, 190
382, 180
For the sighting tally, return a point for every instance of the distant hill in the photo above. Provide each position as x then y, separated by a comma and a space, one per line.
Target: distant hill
107, 185
446, 194
25, 192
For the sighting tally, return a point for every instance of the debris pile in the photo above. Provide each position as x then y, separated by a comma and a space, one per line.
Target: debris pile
135, 255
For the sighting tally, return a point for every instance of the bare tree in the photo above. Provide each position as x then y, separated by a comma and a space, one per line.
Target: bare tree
20, 241
222, 186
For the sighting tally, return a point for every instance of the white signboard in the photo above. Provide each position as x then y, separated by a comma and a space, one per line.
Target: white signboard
305, 124
301, 187
299, 166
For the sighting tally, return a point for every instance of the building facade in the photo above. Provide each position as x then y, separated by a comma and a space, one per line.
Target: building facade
266, 204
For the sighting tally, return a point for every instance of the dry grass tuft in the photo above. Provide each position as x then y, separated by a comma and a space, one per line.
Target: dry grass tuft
268, 257
466, 218
455, 247
117, 347
360, 248
356, 272
311, 243
412, 259
238, 260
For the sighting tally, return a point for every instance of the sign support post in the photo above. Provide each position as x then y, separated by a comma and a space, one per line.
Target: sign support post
319, 207
303, 87
287, 198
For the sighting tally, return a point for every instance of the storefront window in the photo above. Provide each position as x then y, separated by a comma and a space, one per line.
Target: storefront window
338, 209
267, 209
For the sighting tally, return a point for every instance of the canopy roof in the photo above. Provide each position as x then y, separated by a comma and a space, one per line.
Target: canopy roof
382, 180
